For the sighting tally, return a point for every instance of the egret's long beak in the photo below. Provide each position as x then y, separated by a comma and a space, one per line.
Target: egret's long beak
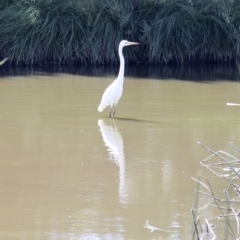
3, 61
133, 43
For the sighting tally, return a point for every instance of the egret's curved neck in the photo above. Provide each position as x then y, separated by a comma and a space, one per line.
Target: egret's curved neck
122, 65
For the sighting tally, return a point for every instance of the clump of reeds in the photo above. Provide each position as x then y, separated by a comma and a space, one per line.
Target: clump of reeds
88, 31
226, 224
224, 220
6, 3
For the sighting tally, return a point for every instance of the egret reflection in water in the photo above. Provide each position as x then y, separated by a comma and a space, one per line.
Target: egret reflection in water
113, 140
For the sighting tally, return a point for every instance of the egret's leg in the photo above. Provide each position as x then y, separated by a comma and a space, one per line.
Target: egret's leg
111, 111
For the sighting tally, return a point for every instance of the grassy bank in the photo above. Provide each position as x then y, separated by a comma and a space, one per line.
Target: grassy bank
88, 31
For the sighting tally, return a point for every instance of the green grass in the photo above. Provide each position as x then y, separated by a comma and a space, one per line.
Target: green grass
88, 31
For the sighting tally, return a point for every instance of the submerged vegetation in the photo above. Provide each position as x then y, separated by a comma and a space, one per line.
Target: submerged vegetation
225, 223
89, 31
215, 217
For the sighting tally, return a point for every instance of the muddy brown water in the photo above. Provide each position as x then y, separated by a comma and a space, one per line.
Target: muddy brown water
69, 172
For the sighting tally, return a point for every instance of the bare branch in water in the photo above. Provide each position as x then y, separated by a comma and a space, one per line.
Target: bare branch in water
227, 214
152, 228
223, 159
234, 146
209, 227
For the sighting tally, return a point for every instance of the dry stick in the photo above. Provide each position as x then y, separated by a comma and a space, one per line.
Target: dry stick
237, 188
206, 194
225, 175
231, 183
206, 188
207, 158
234, 147
201, 183
223, 208
216, 173
232, 162
227, 197
194, 217
233, 210
219, 163
232, 234
195, 225
229, 155
205, 206
152, 228
221, 158
230, 215
232, 201
209, 227
216, 154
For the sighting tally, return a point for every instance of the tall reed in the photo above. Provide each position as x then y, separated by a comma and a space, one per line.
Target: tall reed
88, 31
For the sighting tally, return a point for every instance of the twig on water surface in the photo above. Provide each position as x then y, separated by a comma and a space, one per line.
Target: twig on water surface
152, 228
234, 212
196, 222
227, 214
208, 204
207, 194
204, 193
218, 155
234, 146
223, 215
236, 160
209, 231
234, 186
201, 183
233, 104
237, 188
209, 227
223, 208
3, 61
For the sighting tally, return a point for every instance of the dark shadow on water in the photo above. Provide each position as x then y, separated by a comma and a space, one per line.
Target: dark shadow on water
186, 72
193, 72
131, 120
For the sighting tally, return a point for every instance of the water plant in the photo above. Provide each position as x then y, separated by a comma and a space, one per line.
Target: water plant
215, 217
88, 32
226, 224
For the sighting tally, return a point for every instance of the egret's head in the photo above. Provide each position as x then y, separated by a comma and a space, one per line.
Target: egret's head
124, 43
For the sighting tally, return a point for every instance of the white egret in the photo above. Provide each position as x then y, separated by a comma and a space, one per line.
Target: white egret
113, 93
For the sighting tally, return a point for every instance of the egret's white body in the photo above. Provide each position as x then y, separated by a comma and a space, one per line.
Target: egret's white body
113, 93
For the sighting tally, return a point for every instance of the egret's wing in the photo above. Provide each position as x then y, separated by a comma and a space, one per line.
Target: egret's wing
108, 96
